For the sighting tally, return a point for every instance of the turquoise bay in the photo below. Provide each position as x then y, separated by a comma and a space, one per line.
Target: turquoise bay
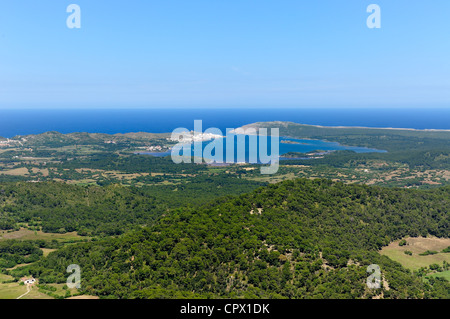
286, 145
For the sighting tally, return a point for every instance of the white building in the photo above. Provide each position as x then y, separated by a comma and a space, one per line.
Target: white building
28, 281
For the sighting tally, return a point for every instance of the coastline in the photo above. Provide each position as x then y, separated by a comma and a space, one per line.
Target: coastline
285, 123
208, 136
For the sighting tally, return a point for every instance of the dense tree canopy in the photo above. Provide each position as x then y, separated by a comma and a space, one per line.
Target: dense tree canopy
296, 239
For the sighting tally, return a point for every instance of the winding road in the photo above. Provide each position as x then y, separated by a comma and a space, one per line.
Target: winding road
28, 290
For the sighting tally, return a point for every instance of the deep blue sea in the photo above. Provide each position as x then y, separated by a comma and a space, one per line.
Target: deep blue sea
23, 122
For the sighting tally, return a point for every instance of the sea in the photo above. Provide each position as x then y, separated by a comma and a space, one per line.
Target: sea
164, 120
15, 122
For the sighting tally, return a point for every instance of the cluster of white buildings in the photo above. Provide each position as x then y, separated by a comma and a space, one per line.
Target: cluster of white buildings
153, 148
193, 137
9, 143
28, 281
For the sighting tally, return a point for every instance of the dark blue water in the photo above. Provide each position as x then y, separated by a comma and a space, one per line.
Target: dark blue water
23, 122
306, 146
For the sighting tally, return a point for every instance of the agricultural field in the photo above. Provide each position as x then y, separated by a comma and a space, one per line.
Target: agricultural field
417, 246
371, 173
13, 290
26, 234
10, 289
443, 274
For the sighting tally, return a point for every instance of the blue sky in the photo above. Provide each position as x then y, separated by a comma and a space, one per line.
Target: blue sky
217, 53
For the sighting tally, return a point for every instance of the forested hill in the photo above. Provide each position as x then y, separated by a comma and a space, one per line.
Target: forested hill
296, 239
111, 210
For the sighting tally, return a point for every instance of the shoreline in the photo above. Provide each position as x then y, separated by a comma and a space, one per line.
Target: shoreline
233, 131
384, 128
284, 123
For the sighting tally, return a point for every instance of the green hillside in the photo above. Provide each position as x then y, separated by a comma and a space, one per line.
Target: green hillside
296, 239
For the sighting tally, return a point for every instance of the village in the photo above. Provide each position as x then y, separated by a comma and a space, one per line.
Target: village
9, 143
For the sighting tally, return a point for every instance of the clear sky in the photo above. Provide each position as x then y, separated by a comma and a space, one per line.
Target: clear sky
224, 53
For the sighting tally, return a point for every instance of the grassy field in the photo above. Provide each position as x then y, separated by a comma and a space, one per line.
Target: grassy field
445, 274
26, 234
272, 179
417, 246
60, 291
12, 290
84, 297
22, 171
47, 251
35, 294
